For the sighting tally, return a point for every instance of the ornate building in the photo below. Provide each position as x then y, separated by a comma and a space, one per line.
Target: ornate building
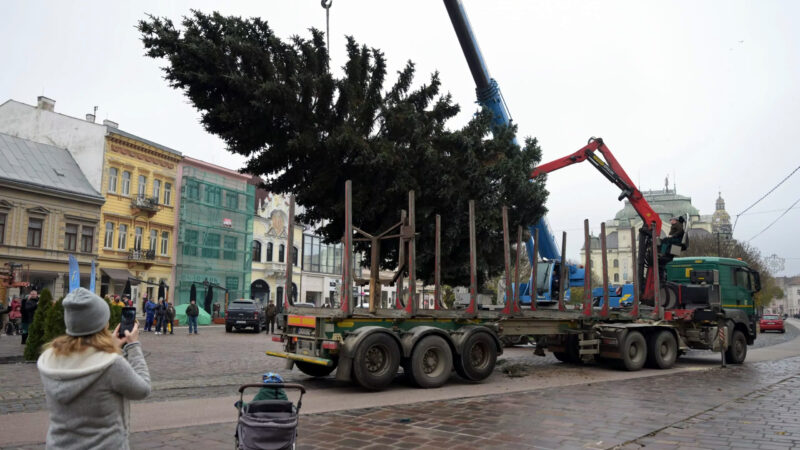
48, 210
269, 247
721, 220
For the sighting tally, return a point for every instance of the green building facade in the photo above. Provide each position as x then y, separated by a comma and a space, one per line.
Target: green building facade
215, 231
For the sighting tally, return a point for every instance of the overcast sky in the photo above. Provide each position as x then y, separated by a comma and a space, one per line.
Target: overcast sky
705, 92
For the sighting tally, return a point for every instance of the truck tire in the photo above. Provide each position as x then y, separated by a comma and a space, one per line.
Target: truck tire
662, 350
571, 354
633, 351
477, 359
376, 361
431, 362
314, 370
737, 350
228, 328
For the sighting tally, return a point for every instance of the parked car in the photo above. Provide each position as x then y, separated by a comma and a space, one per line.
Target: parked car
244, 313
771, 322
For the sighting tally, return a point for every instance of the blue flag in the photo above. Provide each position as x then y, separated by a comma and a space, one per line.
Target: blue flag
74, 274
91, 279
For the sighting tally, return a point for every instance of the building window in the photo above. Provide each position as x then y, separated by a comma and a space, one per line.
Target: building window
616, 263
141, 189
2, 227
230, 248
190, 244
232, 284
213, 195
616, 278
153, 240
137, 238
321, 257
193, 190
281, 251
109, 240
87, 239
167, 193
256, 251
295, 256
157, 190
232, 200
35, 232
122, 239
269, 251
112, 179
126, 183
164, 242
71, 237
211, 246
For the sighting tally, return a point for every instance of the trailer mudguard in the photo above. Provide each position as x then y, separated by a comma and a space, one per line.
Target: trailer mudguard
461, 335
350, 345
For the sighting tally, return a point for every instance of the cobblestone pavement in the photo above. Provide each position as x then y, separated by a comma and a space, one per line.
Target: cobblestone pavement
219, 362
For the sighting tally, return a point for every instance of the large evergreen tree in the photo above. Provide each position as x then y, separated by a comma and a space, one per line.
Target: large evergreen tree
307, 131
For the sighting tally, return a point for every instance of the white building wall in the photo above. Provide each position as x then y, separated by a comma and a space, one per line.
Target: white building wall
84, 140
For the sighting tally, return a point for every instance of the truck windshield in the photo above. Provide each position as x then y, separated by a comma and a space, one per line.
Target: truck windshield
543, 269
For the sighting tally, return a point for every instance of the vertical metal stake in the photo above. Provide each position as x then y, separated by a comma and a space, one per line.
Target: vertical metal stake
604, 268
534, 268
412, 306
401, 257
437, 269
587, 270
516, 270
657, 312
473, 261
509, 298
563, 282
374, 274
347, 251
636, 293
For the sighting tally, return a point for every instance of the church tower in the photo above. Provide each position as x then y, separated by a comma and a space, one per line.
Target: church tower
721, 220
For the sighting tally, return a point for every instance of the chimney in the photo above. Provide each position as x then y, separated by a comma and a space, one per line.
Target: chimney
90, 118
110, 123
47, 104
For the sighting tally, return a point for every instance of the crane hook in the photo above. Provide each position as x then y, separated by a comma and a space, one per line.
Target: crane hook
326, 3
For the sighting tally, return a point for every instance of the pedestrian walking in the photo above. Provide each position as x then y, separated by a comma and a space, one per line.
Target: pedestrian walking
161, 313
170, 317
14, 316
150, 312
192, 311
271, 313
89, 377
27, 310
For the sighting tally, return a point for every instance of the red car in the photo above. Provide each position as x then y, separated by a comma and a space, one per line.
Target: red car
772, 322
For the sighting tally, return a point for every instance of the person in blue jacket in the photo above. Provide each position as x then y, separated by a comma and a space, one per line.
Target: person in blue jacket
150, 309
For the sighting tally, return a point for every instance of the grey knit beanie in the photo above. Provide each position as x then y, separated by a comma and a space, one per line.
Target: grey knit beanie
85, 313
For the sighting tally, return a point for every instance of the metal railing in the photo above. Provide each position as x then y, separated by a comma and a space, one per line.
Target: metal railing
141, 201
140, 255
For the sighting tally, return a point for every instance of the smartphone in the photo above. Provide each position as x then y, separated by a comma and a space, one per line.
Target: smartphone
127, 321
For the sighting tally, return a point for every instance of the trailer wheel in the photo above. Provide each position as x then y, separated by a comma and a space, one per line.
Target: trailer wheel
662, 350
376, 361
572, 354
431, 362
314, 370
634, 351
477, 359
737, 350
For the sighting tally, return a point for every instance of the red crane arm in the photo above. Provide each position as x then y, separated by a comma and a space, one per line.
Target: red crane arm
612, 170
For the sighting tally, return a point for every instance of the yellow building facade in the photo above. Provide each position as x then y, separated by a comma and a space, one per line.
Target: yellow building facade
137, 228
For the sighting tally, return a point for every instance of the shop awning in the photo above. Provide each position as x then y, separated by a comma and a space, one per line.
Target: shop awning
117, 275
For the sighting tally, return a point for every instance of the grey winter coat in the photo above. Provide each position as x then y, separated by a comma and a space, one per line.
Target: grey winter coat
88, 396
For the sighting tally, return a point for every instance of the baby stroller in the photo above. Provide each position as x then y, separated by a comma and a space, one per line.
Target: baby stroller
267, 424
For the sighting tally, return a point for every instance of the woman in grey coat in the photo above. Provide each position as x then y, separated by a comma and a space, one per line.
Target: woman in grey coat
89, 377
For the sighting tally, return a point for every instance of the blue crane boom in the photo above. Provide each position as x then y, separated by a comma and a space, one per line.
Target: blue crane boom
490, 97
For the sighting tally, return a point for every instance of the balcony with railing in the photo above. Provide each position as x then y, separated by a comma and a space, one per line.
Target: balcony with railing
141, 255
145, 203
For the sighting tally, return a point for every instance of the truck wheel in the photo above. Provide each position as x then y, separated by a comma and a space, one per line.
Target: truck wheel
634, 351
376, 361
477, 359
314, 370
571, 353
662, 351
228, 328
562, 356
431, 362
737, 350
